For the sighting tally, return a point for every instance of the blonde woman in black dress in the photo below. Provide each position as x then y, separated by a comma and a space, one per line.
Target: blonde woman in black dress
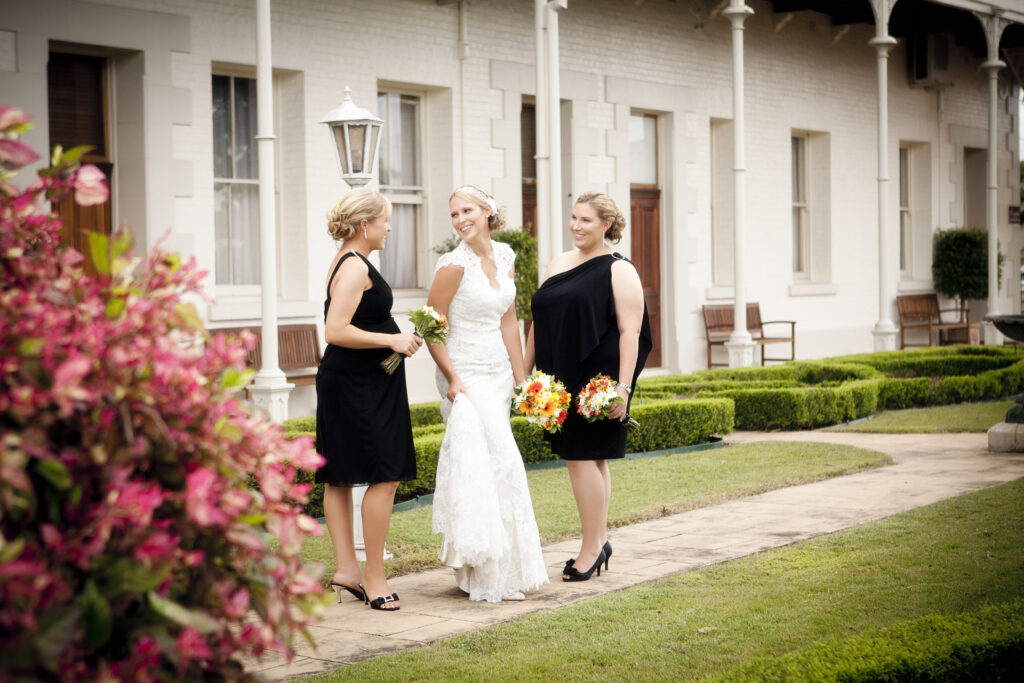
363, 428
589, 318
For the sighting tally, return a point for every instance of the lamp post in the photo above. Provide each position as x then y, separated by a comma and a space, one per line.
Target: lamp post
355, 136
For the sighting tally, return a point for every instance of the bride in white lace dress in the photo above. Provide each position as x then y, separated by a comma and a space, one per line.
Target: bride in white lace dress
481, 499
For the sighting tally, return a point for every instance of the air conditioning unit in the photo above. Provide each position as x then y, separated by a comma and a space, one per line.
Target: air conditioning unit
929, 60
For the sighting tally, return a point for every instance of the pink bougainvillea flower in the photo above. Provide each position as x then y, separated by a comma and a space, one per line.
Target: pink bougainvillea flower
191, 645
12, 116
201, 497
15, 154
90, 186
71, 372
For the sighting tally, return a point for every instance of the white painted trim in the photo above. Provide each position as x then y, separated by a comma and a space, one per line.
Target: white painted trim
813, 289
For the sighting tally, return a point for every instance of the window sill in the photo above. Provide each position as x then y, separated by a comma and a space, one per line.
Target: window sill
914, 286
813, 289
251, 309
720, 292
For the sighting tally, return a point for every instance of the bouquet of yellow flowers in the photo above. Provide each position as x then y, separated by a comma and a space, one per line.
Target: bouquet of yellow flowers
430, 325
542, 400
596, 397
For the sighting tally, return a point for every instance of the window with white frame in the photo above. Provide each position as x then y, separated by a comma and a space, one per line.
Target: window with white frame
401, 160
801, 209
906, 220
235, 181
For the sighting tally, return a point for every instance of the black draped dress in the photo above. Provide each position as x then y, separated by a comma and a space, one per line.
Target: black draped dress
576, 336
363, 428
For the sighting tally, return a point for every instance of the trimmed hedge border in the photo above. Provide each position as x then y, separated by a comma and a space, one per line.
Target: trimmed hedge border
982, 645
808, 394
664, 424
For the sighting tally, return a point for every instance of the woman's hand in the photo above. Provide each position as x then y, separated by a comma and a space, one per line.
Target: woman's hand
455, 387
617, 410
406, 344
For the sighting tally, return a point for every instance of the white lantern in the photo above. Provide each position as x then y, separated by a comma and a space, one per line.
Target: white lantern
355, 134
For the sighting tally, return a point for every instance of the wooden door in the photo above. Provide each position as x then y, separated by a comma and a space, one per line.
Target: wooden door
77, 95
644, 205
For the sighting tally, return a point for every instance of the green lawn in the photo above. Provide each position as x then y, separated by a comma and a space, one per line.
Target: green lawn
644, 488
968, 417
945, 558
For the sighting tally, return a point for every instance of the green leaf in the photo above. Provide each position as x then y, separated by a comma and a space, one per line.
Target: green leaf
58, 151
229, 431
55, 633
179, 614
233, 379
134, 577
115, 306
188, 316
254, 520
95, 616
98, 251
75, 153
122, 241
30, 346
55, 473
11, 551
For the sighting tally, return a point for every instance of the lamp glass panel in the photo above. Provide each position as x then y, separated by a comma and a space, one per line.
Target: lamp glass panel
357, 139
338, 130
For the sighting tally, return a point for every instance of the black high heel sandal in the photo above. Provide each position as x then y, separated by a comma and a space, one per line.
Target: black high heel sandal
359, 593
378, 603
607, 553
573, 574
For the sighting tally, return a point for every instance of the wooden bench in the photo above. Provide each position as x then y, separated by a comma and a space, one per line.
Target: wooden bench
298, 350
921, 312
719, 322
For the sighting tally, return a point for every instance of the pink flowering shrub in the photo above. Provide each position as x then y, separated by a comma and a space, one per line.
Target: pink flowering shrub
131, 547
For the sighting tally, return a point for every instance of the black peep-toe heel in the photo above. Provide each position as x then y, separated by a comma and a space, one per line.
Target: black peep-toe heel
607, 553
378, 603
573, 574
359, 593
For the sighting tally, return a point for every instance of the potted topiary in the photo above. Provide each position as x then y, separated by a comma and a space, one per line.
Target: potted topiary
960, 267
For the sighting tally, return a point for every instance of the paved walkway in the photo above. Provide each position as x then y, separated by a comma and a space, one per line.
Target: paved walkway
927, 468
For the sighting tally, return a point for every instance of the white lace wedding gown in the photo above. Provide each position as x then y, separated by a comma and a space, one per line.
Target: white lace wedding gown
481, 499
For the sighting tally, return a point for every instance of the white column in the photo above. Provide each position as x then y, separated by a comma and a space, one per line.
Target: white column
543, 156
885, 330
556, 221
270, 387
740, 346
993, 26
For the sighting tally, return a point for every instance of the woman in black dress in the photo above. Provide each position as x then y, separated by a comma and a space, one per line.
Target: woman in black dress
589, 318
363, 428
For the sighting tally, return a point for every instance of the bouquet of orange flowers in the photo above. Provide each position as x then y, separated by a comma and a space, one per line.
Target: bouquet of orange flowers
542, 400
596, 397
430, 325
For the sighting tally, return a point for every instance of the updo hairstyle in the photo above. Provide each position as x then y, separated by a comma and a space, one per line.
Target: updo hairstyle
605, 208
479, 196
362, 203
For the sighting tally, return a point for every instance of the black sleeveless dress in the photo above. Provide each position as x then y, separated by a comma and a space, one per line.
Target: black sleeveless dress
363, 428
576, 336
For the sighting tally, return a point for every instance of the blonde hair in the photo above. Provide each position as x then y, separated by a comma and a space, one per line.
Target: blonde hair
358, 205
605, 208
479, 196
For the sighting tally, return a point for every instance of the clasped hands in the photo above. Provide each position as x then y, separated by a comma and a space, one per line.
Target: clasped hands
617, 410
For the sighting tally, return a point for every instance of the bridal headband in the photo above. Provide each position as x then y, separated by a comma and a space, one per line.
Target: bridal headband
470, 190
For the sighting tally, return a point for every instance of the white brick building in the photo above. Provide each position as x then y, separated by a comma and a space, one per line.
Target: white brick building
646, 108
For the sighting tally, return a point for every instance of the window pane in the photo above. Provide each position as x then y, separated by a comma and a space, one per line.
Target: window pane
798, 254
221, 233
904, 178
245, 128
245, 234
393, 139
410, 141
398, 259
643, 146
221, 127
528, 140
384, 164
798, 170
904, 238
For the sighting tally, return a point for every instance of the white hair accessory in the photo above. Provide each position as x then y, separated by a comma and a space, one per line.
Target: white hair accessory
481, 196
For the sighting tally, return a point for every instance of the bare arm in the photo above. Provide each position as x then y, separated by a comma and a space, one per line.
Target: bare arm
629, 311
446, 282
346, 293
510, 335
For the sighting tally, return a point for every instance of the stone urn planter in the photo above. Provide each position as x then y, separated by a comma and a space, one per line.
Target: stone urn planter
1008, 436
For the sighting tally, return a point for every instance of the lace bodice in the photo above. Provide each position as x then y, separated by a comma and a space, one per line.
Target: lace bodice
474, 315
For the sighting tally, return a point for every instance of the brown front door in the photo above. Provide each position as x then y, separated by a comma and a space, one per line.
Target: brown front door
77, 94
644, 218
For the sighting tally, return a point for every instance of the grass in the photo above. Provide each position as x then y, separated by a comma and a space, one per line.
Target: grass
968, 417
949, 557
644, 488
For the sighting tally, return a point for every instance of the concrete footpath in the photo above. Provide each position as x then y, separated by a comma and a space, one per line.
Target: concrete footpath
926, 468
